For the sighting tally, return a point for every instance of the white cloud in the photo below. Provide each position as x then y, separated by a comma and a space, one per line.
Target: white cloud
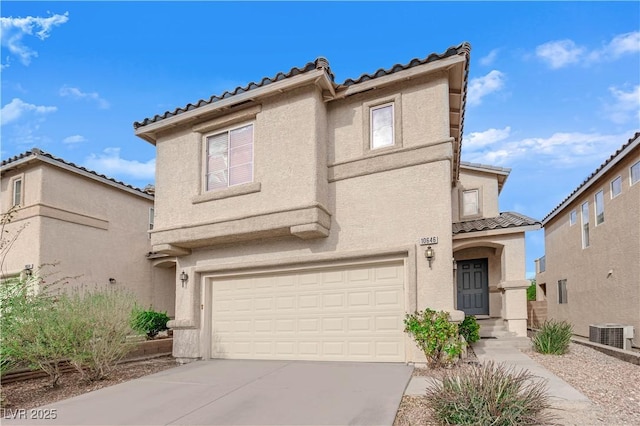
482, 86
74, 139
17, 108
13, 31
565, 149
110, 163
477, 140
75, 93
490, 58
625, 106
560, 53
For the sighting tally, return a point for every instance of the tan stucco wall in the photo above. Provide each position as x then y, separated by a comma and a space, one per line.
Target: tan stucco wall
92, 231
603, 280
379, 203
487, 183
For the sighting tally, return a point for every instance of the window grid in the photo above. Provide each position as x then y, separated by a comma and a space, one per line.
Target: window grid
382, 126
634, 172
229, 158
470, 202
562, 291
17, 192
573, 215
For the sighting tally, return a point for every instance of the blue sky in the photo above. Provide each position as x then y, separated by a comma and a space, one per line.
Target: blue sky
554, 87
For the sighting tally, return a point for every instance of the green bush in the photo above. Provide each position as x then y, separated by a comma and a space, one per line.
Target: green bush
470, 329
149, 322
553, 337
531, 292
435, 335
490, 394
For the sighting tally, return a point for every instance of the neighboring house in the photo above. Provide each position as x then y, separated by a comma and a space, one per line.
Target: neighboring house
92, 227
590, 273
299, 212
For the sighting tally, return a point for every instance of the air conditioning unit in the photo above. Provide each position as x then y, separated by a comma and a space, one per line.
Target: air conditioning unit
616, 335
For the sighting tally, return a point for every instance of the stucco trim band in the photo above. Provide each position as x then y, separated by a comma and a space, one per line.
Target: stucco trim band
392, 160
52, 212
243, 228
233, 191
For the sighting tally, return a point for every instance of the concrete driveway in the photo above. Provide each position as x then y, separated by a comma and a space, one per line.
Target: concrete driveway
239, 392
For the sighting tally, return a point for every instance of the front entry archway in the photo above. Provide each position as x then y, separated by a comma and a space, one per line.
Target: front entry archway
473, 286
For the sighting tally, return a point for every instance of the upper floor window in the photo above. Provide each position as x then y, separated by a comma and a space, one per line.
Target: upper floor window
585, 225
382, 132
616, 187
562, 291
230, 158
573, 215
470, 202
17, 192
635, 173
599, 206
151, 219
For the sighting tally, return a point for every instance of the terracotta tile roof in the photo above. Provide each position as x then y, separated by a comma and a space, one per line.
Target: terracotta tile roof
36, 152
319, 63
463, 48
505, 220
588, 180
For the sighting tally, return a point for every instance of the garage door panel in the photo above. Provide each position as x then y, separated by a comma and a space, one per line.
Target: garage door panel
338, 314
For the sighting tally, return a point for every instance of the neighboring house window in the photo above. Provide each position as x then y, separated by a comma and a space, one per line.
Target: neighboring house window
382, 133
572, 217
616, 187
562, 291
599, 206
230, 158
470, 202
635, 173
17, 192
151, 219
585, 225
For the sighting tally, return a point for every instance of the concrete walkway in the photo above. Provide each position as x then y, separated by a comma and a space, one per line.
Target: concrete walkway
239, 392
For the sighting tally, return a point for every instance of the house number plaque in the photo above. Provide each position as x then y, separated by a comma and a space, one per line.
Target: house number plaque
425, 241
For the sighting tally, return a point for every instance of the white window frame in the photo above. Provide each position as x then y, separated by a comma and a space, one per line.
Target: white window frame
585, 224
613, 194
562, 292
372, 110
478, 211
152, 212
573, 217
598, 207
634, 177
17, 196
228, 130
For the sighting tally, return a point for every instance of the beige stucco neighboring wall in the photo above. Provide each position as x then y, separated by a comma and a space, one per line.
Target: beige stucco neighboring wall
603, 280
91, 231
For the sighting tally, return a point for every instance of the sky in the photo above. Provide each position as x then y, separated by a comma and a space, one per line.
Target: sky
554, 87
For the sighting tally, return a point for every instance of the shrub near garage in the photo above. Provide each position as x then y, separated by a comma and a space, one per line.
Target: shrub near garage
149, 322
435, 335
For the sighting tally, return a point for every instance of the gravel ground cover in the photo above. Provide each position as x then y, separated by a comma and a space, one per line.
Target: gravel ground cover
612, 385
36, 392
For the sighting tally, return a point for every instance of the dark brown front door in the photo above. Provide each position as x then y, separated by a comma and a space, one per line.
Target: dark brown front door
473, 286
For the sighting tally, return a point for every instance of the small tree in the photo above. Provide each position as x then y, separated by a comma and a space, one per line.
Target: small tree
531, 291
435, 335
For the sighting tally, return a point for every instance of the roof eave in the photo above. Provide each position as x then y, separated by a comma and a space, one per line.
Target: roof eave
318, 77
494, 232
584, 187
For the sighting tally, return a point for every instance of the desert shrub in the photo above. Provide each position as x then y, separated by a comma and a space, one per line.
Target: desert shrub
435, 335
553, 337
98, 322
489, 394
149, 322
32, 333
469, 329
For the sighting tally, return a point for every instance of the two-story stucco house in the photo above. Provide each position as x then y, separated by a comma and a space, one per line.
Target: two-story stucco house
590, 273
91, 226
300, 213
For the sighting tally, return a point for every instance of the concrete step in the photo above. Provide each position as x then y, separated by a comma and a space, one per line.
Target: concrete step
505, 341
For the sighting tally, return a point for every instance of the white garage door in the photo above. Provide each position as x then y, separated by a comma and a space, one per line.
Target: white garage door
351, 313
